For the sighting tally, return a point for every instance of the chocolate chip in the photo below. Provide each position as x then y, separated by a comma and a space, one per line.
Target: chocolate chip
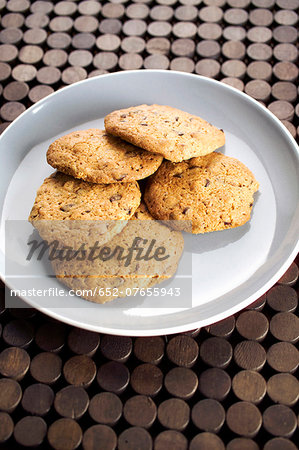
115, 198
123, 116
121, 178
227, 223
131, 153
178, 175
186, 210
67, 208
181, 134
207, 182
221, 130
144, 124
176, 119
194, 167
250, 205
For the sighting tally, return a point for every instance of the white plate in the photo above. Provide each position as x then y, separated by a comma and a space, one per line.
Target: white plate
231, 268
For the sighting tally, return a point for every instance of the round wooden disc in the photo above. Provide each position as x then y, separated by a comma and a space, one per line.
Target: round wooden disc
258, 305
209, 31
206, 440
14, 362
105, 60
132, 409
12, 20
79, 370
55, 58
80, 58
250, 355
233, 68
283, 388
244, 418
17, 333
30, 431
214, 383
5, 71
210, 14
259, 34
73, 74
259, 52
38, 399
135, 437
130, 61
35, 36
160, 12
6, 427
249, 386
208, 415
113, 377
208, 49
292, 274
137, 11
158, 45
136, 27
283, 357
37, 20
61, 24
208, 68
259, 70
174, 414
171, 439
182, 351
282, 299
183, 47
112, 26
252, 324
242, 444
71, 402
224, 328
156, 62
147, 379
236, 16
64, 434
285, 34
105, 408
181, 382
50, 337
8, 53
99, 436
83, 342
46, 367
59, 40
284, 90
279, 443
10, 394
83, 41
116, 348
11, 36
282, 109
18, 5
285, 52
133, 44
284, 326
108, 42
261, 17
186, 13
279, 420
184, 30
160, 29
182, 64
113, 11
65, 8
89, 8
86, 24
41, 6
216, 352
286, 17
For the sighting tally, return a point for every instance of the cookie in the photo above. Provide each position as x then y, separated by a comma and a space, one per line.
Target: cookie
175, 134
213, 192
101, 278
73, 211
95, 156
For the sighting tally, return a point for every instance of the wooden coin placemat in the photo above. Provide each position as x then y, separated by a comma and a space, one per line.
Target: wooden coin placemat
232, 385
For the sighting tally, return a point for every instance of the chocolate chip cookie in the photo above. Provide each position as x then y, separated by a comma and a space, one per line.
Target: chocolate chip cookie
175, 134
95, 156
73, 211
212, 192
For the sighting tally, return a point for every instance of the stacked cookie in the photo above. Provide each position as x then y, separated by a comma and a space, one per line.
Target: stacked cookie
95, 192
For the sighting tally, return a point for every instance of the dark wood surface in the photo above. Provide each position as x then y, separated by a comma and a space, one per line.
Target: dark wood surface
231, 385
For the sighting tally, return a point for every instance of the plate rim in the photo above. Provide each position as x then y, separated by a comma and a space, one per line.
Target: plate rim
199, 322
